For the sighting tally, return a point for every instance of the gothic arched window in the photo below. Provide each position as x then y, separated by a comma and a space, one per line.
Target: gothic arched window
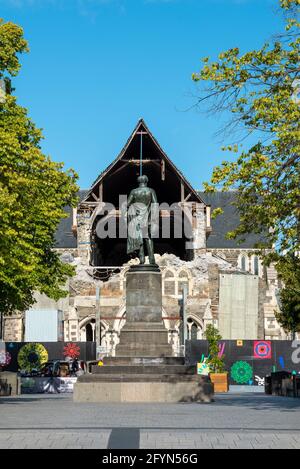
169, 283
89, 333
255, 265
183, 280
194, 330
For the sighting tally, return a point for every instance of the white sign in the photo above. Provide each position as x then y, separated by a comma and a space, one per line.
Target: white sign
102, 350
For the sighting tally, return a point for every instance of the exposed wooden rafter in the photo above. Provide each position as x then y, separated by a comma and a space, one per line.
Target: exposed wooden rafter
94, 196
182, 190
142, 129
163, 170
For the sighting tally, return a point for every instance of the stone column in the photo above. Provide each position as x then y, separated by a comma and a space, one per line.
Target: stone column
84, 230
73, 329
198, 245
208, 317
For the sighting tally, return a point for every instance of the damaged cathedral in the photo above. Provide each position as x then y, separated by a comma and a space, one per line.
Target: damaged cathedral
213, 279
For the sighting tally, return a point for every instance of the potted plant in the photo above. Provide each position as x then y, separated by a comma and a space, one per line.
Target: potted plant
218, 375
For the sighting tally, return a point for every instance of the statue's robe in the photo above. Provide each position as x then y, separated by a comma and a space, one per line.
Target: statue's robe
138, 225
142, 211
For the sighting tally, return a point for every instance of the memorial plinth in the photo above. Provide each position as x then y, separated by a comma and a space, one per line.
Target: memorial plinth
144, 294
143, 369
144, 334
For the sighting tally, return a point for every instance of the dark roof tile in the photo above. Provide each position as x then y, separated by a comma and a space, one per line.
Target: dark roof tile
64, 236
228, 221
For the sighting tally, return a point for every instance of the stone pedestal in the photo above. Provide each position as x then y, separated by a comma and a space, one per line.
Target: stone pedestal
143, 369
144, 294
143, 387
144, 334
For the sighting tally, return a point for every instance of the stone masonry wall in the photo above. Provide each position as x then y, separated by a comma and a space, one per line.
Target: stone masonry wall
13, 328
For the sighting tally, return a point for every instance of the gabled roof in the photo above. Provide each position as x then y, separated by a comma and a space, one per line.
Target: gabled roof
141, 126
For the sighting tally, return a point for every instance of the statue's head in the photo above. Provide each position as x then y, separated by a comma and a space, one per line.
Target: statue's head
142, 180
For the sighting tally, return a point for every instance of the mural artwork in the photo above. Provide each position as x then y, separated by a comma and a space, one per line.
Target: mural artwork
262, 349
260, 381
281, 362
5, 358
249, 361
221, 350
28, 356
203, 368
242, 372
71, 350
32, 356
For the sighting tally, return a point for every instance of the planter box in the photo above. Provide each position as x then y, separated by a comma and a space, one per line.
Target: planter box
220, 381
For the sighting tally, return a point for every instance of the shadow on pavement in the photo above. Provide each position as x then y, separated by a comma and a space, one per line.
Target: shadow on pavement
34, 398
257, 401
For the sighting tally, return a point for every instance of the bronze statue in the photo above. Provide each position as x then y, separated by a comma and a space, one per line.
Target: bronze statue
142, 209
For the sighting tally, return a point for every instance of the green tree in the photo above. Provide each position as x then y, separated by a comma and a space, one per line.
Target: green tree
215, 362
33, 193
289, 315
260, 91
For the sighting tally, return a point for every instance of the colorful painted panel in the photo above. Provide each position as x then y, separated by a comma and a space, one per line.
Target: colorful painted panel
32, 356
203, 368
262, 349
242, 372
5, 358
72, 350
262, 356
11, 352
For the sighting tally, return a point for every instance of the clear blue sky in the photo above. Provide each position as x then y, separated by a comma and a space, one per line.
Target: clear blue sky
97, 66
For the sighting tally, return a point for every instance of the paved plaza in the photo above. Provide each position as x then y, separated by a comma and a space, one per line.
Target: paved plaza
232, 421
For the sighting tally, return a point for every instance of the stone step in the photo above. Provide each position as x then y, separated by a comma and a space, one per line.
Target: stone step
147, 360
143, 388
138, 349
144, 340
145, 369
141, 378
144, 326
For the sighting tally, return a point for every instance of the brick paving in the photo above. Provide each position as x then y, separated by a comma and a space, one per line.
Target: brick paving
232, 421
